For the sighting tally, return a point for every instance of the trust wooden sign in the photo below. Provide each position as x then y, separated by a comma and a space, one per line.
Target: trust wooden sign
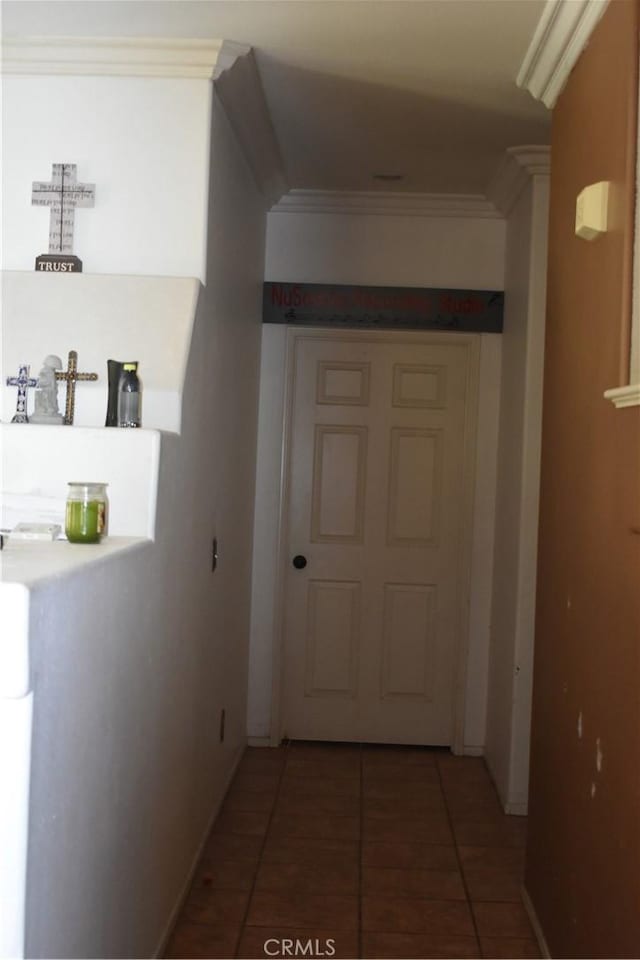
62, 195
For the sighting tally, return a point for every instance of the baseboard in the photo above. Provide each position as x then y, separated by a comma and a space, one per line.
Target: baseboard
535, 923
519, 806
259, 741
168, 930
470, 751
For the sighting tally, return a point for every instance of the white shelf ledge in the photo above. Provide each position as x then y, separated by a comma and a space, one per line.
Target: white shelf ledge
628, 396
33, 563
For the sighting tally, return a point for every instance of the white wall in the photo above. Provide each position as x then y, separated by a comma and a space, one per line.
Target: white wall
513, 603
143, 141
133, 660
263, 684
148, 319
37, 462
382, 250
385, 250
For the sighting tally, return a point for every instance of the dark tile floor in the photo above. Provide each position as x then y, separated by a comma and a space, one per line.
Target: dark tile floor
364, 851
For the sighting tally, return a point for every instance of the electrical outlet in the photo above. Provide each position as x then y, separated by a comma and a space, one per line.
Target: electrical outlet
222, 722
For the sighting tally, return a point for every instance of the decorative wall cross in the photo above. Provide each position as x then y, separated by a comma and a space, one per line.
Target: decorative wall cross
63, 195
23, 381
71, 377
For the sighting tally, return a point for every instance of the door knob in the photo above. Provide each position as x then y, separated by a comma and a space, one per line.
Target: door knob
299, 562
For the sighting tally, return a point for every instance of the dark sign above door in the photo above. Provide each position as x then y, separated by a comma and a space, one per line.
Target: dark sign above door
383, 308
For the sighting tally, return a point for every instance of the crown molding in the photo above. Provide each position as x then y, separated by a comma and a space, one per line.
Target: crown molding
239, 88
517, 167
561, 35
387, 204
110, 56
228, 54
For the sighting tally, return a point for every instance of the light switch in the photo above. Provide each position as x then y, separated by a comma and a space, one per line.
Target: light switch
592, 210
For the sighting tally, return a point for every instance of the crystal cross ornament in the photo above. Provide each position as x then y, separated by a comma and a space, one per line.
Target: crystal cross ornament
23, 381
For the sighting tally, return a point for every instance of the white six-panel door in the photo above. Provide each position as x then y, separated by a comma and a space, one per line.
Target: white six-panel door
376, 507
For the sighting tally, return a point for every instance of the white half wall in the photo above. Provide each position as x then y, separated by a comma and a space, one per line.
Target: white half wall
143, 141
376, 250
133, 659
514, 583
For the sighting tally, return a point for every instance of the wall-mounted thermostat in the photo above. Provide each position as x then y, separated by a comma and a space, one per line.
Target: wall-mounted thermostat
592, 207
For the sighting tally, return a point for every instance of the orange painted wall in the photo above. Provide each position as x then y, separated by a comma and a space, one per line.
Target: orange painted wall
583, 857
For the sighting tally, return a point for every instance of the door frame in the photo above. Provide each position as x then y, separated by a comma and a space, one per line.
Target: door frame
470, 342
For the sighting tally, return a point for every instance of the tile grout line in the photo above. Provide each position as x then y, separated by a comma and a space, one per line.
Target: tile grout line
243, 924
459, 861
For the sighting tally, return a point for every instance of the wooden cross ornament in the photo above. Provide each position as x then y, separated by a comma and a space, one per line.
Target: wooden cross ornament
71, 377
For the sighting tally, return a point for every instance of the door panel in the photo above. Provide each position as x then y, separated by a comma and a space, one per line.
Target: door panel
333, 634
342, 384
414, 488
419, 386
409, 641
339, 467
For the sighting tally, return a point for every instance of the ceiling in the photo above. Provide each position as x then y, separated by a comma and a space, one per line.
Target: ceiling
423, 89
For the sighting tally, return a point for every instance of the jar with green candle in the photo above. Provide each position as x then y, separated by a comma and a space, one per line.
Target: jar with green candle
86, 514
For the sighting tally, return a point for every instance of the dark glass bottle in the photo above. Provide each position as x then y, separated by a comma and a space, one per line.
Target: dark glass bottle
129, 396
114, 369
